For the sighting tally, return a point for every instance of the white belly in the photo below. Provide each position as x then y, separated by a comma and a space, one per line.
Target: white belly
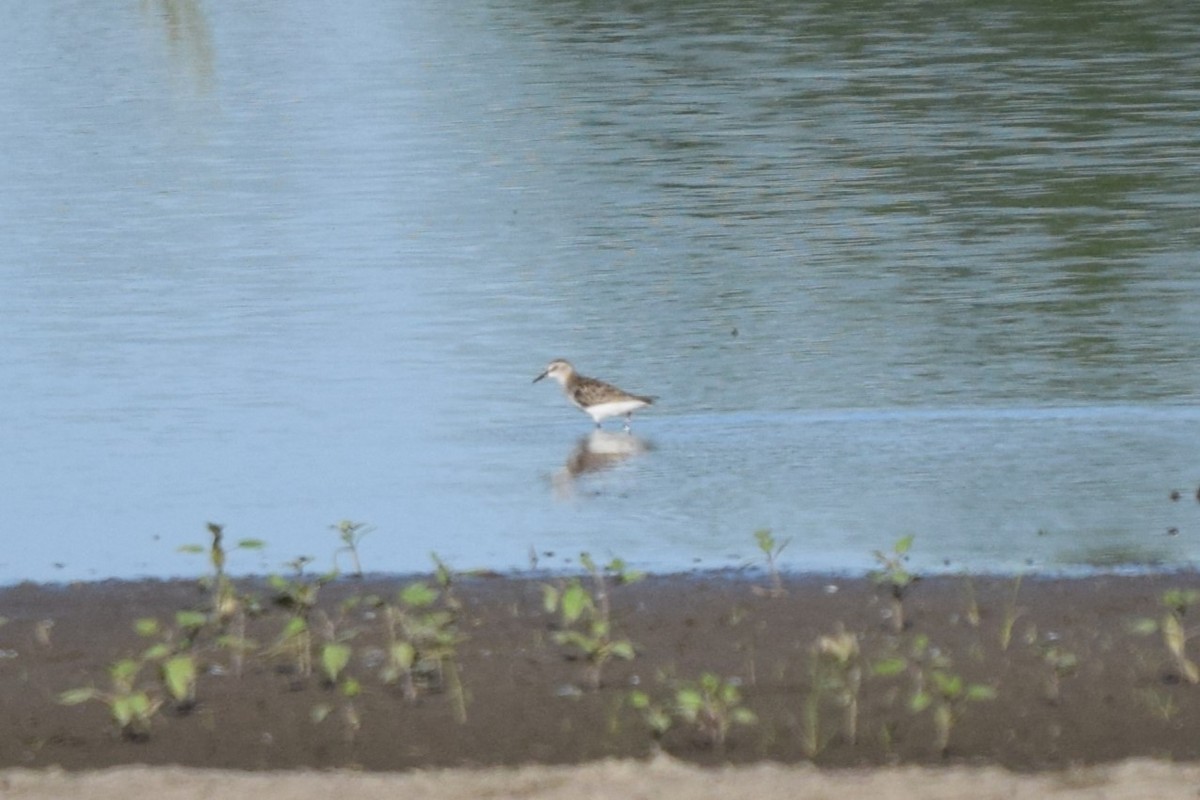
616, 408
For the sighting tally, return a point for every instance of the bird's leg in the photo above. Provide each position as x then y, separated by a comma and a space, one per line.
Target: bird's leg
629, 422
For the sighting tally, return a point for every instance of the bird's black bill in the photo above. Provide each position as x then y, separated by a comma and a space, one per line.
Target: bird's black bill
539, 377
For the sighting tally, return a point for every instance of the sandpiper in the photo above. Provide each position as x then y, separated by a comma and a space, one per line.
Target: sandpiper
597, 399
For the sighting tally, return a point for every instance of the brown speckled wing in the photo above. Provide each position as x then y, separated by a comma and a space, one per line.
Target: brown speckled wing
589, 392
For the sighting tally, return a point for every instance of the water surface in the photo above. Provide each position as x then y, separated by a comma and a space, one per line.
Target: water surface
892, 268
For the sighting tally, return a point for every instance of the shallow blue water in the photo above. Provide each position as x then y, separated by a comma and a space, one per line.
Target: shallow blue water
890, 272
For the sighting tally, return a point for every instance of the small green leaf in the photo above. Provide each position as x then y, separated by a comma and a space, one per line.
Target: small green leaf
334, 658
1179, 600
903, 545
889, 666
179, 674
320, 712
191, 548
122, 711
157, 651
251, 544
639, 699
146, 626
130, 708
659, 721
766, 542
623, 573
920, 701
1063, 661
577, 639
124, 671
979, 691
190, 620
442, 572
623, 650
295, 627
73, 697
418, 595
1173, 635
574, 600
744, 716
403, 654
351, 687
947, 685
1143, 626
231, 642
689, 701
141, 704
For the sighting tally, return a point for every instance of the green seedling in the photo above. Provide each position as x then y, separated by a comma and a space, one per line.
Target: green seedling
334, 658
299, 596
1062, 663
836, 674
946, 695
444, 577
771, 549
1011, 613
972, 615
657, 717
586, 617
709, 704
335, 655
336, 637
131, 706
349, 689
172, 654
894, 574
617, 571
179, 676
351, 534
1175, 636
1178, 601
1160, 702
295, 642
421, 637
236, 642
936, 687
225, 600
228, 608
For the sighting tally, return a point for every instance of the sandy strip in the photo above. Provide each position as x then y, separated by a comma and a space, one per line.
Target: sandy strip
623, 780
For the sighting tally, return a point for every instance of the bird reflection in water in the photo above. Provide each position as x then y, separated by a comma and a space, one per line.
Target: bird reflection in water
600, 450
